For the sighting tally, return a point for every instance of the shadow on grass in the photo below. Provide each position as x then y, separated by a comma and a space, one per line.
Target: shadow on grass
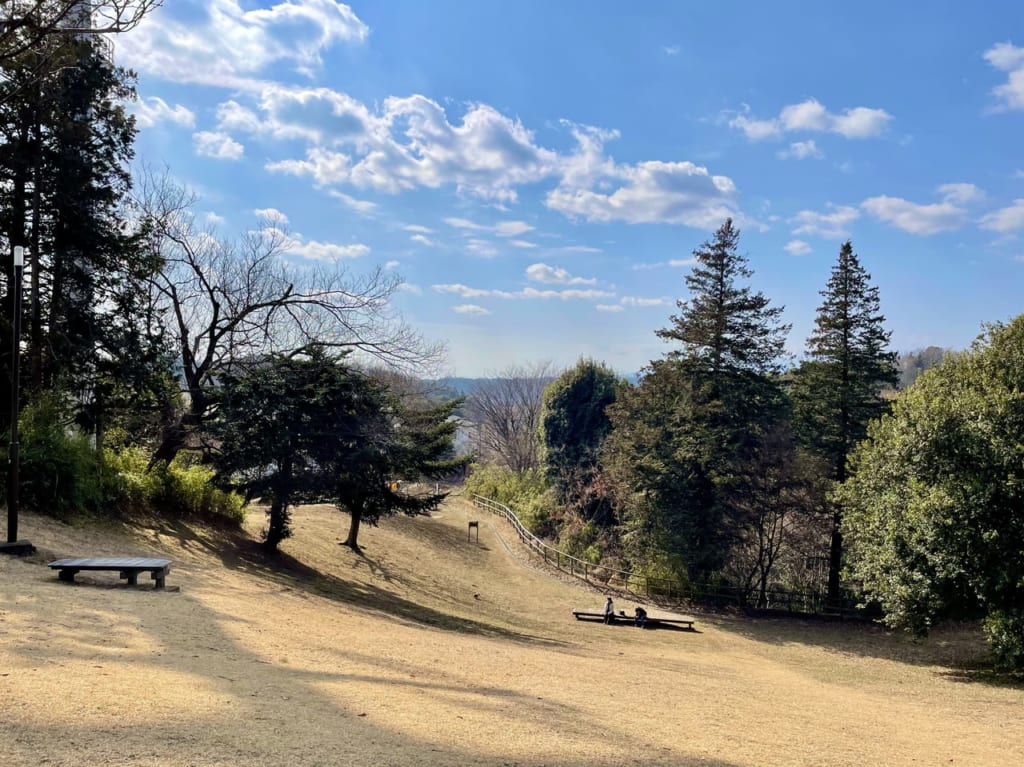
960, 649
240, 552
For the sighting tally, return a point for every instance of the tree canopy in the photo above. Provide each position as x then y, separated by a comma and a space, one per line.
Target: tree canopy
934, 502
838, 388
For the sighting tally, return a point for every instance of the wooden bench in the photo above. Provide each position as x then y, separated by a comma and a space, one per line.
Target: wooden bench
128, 567
652, 620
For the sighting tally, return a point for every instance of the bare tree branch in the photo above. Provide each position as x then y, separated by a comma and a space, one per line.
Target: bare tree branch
229, 302
505, 413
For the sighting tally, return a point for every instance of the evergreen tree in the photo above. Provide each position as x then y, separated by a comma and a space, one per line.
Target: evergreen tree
716, 396
64, 158
573, 424
838, 388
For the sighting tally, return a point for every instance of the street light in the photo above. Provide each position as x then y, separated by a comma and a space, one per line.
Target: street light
13, 545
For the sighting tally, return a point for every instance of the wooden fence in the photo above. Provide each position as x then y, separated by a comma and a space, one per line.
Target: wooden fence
664, 589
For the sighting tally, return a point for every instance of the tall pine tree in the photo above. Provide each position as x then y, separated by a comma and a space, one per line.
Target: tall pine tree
716, 395
838, 388
67, 141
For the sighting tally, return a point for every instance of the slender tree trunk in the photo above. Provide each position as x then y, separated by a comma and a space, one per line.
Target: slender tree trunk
353, 529
835, 562
35, 307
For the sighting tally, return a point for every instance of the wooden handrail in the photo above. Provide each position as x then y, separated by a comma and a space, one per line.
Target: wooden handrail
623, 580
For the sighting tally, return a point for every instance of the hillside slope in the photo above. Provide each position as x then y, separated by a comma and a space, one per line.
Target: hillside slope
429, 649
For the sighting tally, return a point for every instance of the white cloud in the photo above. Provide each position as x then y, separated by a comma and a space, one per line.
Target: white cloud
609, 308
579, 249
526, 293
502, 228
675, 262
645, 302
408, 143
417, 229
271, 214
217, 145
463, 290
220, 44
408, 287
214, 219
155, 111
422, 239
960, 194
391, 265
481, 248
324, 251
811, 115
522, 244
1007, 57
756, 130
914, 218
470, 309
1005, 219
648, 192
802, 150
554, 275
832, 225
797, 248
360, 206
671, 50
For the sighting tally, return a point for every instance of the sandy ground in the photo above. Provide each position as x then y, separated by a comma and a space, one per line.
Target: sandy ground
430, 650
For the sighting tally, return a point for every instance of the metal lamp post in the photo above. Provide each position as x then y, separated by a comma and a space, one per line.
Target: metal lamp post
13, 545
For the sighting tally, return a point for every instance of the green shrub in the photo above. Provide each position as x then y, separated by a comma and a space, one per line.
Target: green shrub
663, 575
528, 494
1005, 632
62, 475
183, 489
190, 490
59, 471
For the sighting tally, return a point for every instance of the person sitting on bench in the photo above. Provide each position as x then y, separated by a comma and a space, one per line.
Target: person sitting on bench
609, 611
640, 618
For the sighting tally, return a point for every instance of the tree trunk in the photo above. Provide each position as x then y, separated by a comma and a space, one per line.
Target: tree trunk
353, 530
835, 563
277, 524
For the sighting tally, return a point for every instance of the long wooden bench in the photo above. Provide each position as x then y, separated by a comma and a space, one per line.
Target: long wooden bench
128, 567
621, 617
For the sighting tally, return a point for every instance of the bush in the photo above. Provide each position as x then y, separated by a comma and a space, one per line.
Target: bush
528, 494
62, 475
1005, 632
59, 472
183, 489
663, 575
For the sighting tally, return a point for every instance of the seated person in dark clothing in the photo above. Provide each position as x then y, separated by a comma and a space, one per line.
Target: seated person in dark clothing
640, 617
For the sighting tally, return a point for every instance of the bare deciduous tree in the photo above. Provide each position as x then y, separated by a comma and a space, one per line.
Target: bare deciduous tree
226, 302
505, 412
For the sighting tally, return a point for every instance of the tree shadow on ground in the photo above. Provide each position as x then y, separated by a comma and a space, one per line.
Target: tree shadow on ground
251, 688
237, 551
958, 648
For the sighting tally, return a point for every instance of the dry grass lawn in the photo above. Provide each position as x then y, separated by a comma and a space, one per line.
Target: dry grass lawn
428, 650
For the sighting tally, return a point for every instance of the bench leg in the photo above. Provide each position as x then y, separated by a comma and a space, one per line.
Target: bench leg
132, 576
67, 575
159, 576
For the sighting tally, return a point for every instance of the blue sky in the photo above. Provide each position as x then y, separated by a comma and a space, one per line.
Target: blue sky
539, 172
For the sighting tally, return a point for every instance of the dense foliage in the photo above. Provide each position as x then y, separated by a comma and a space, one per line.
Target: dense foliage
934, 504
573, 425
838, 388
311, 428
682, 440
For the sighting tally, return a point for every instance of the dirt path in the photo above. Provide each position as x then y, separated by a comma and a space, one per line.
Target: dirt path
432, 650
